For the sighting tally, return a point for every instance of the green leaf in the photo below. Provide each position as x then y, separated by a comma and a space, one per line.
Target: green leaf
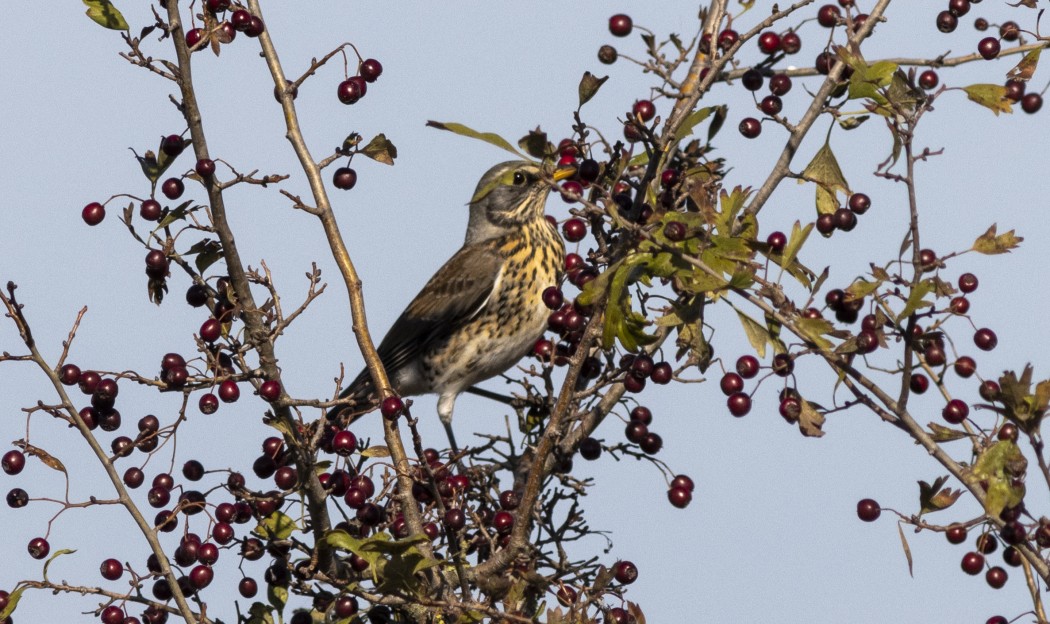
175, 214
907, 549
156, 289
940, 433
1026, 68
860, 289
852, 121
916, 299
721, 113
991, 96
208, 252
936, 497
990, 244
535, 144
798, 237
12, 602
825, 171
1000, 465
589, 86
810, 420
276, 526
694, 118
757, 335
277, 595
814, 329
380, 149
489, 137
59, 553
103, 13
260, 613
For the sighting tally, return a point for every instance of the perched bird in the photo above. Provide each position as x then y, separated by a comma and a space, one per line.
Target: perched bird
483, 310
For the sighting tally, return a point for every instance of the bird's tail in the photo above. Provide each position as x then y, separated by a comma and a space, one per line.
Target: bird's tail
359, 391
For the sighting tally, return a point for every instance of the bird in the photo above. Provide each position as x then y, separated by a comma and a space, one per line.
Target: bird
483, 310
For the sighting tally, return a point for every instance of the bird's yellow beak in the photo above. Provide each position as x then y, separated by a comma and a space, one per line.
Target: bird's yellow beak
564, 173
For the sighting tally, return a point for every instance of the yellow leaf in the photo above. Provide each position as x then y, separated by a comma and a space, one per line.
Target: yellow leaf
991, 96
989, 243
1026, 68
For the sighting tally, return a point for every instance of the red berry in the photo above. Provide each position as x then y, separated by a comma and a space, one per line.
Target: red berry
988, 48
575, 229
392, 407
750, 127
1031, 103
752, 80
769, 42
995, 577
859, 203
625, 572
946, 22
270, 390
228, 391
255, 27
780, 84
828, 15
868, 510
620, 25
371, 69
208, 403
973, 563
93, 213
919, 383
13, 462
193, 37
968, 282
955, 411
747, 366
680, 497
739, 404
929, 79
644, 110
790, 43
985, 339
351, 90
205, 168
150, 210
344, 178
172, 188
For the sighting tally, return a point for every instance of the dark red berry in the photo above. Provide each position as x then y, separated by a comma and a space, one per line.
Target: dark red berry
194, 36
946, 22
955, 411
752, 80
995, 577
780, 84
620, 25
392, 407
679, 497
929, 79
205, 168
574, 229
93, 213
747, 366
228, 391
625, 572
1031, 103
255, 27
828, 15
771, 105
859, 203
351, 90
790, 43
919, 383
344, 178
270, 390
750, 127
985, 339
607, 54
989, 390
868, 510
727, 38
988, 48
172, 188
973, 563
769, 42
371, 69
38, 548
208, 403
739, 404
644, 110
13, 462
1010, 31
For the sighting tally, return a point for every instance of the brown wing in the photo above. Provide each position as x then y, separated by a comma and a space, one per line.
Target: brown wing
453, 296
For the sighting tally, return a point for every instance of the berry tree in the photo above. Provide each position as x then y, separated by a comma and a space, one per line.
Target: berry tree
670, 254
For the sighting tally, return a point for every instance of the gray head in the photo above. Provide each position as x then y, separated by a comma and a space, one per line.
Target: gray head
508, 196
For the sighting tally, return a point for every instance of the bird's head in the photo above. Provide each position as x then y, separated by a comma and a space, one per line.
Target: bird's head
510, 195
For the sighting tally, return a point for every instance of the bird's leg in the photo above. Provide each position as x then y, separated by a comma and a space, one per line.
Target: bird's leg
445, 405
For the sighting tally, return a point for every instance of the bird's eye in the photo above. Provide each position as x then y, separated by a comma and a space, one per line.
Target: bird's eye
519, 178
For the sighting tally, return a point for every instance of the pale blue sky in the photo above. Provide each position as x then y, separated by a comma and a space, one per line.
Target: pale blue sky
771, 534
